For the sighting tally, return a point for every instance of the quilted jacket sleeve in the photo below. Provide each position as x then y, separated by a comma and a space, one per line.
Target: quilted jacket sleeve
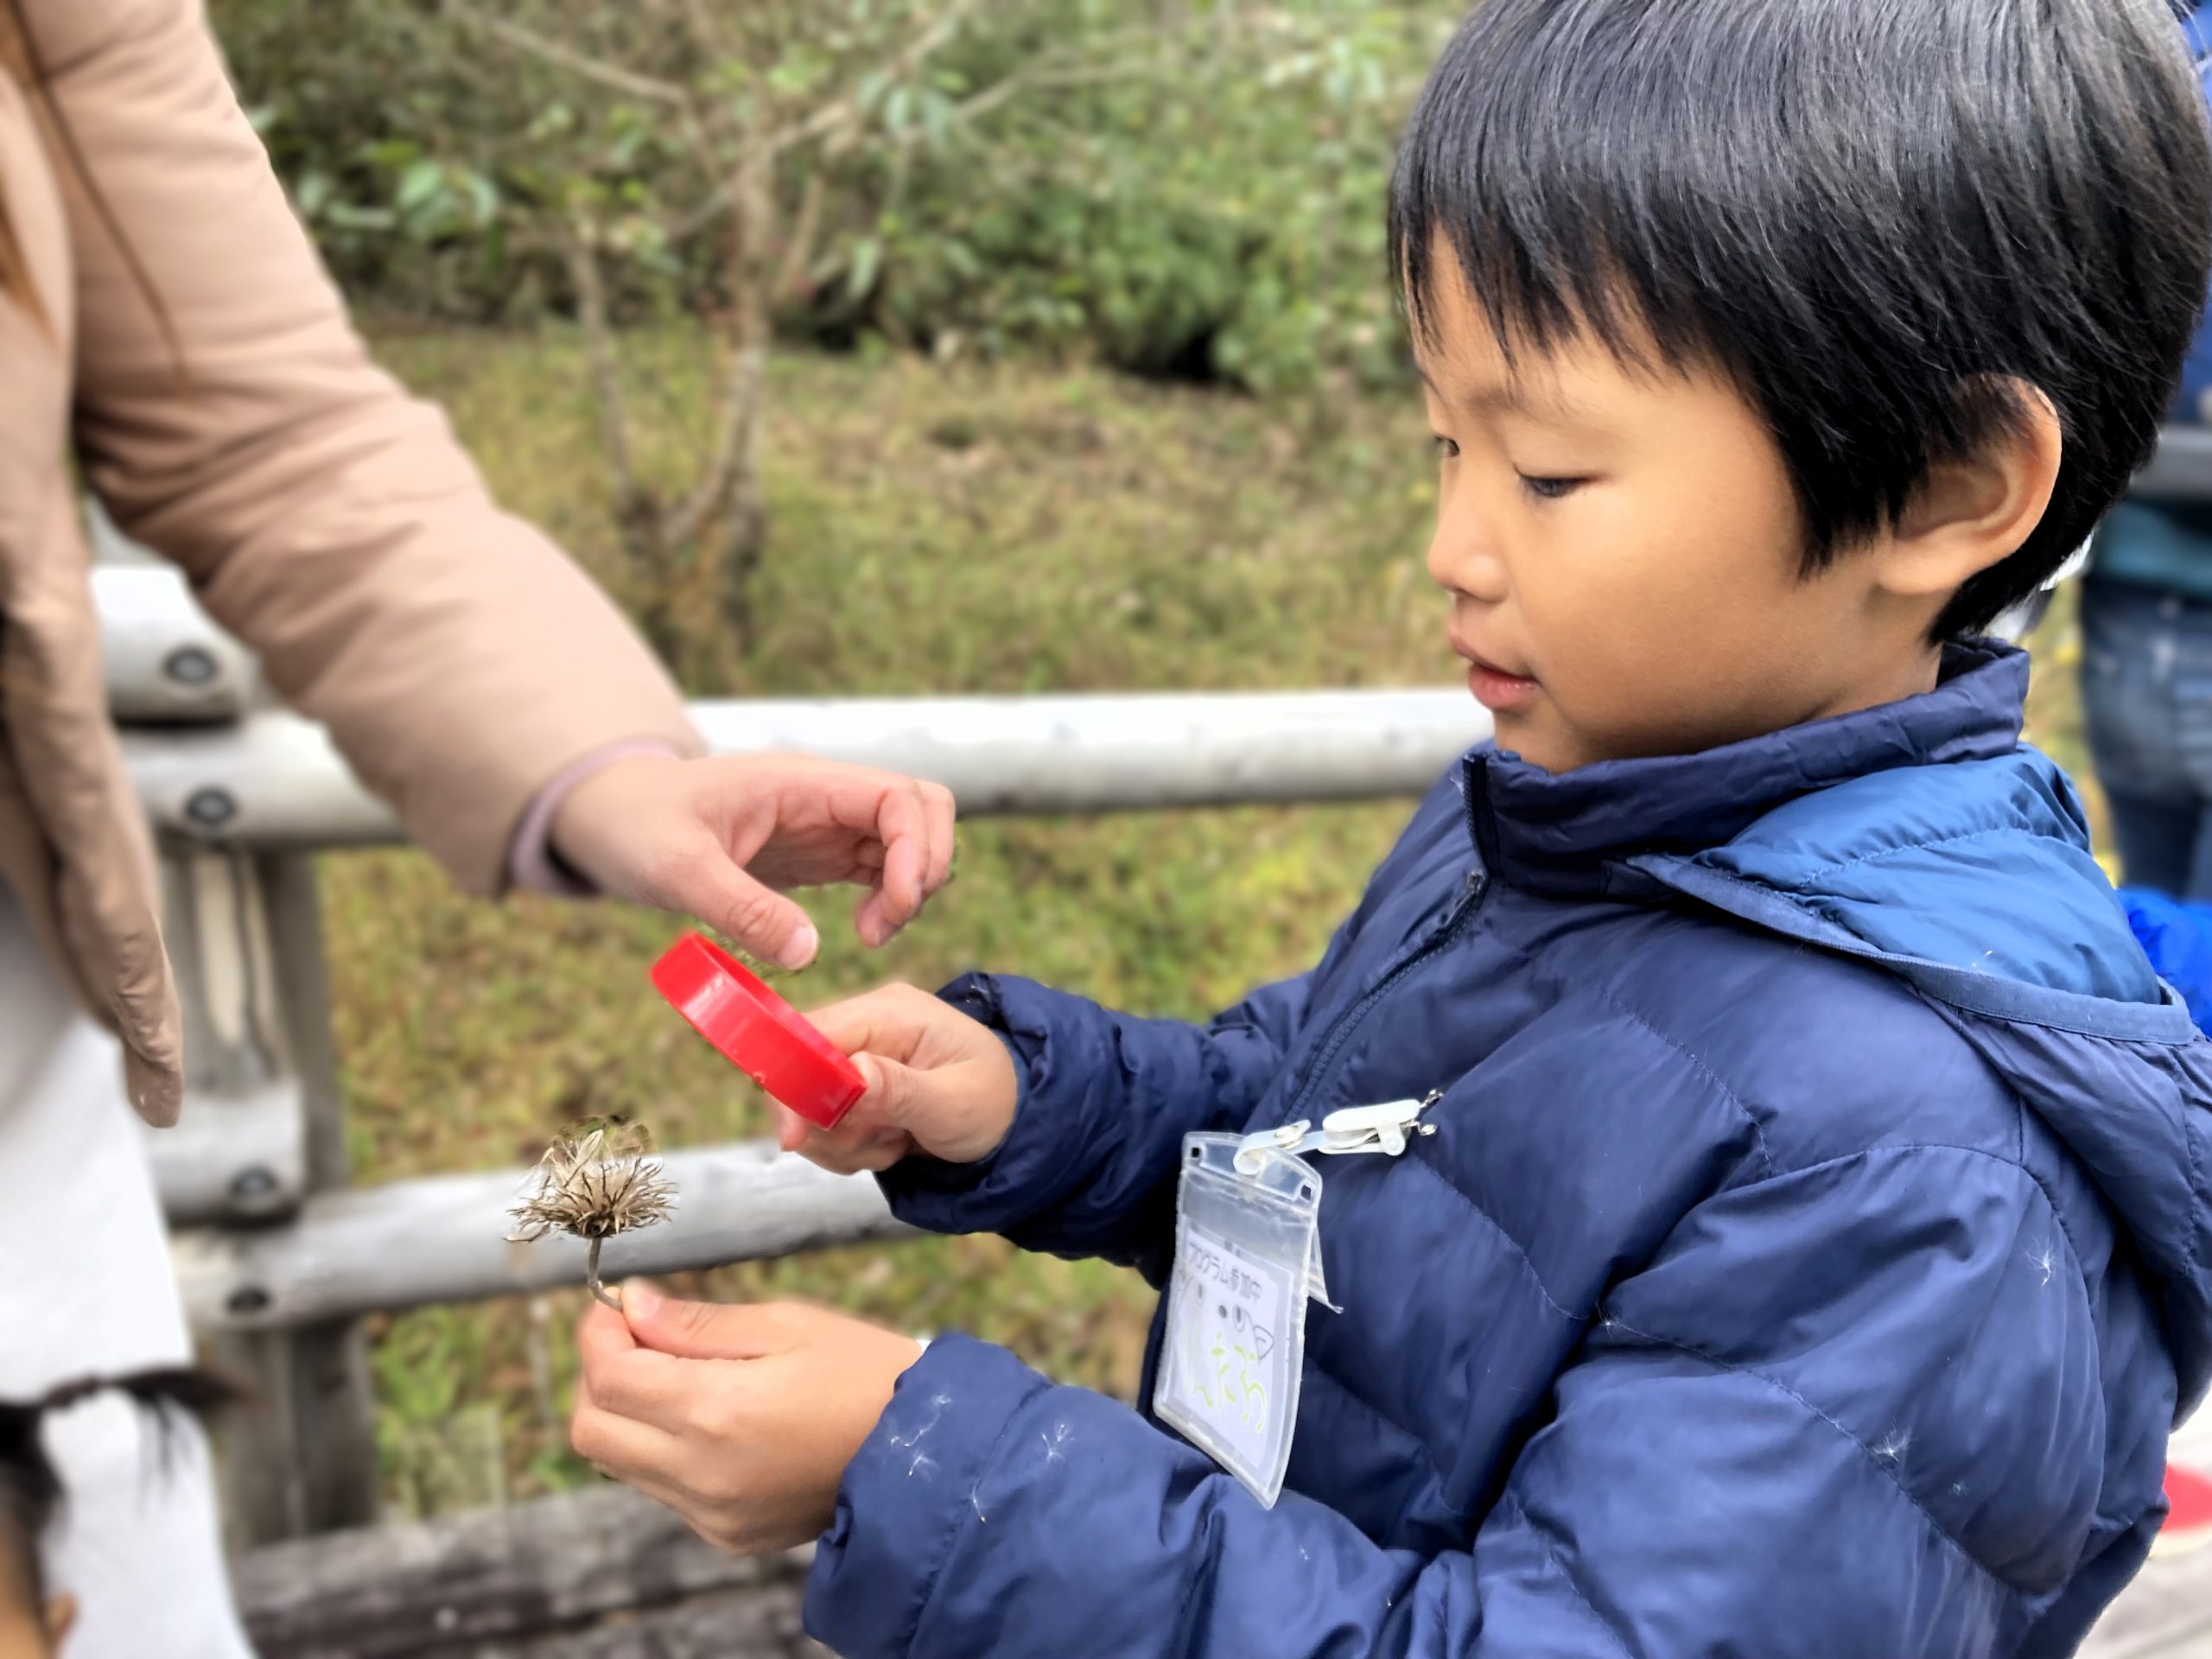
1107, 1098
1803, 1429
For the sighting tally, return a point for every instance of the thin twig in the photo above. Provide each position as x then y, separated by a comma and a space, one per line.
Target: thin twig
747, 369
569, 58
972, 109
735, 446
830, 117
799, 248
706, 29
606, 372
591, 1279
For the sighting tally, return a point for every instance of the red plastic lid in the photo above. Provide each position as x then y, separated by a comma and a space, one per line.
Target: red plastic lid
2191, 1496
758, 1032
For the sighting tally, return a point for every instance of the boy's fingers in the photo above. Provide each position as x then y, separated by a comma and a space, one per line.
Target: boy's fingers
898, 1095
693, 1331
792, 1129
880, 1022
848, 1151
638, 1454
601, 1334
633, 1382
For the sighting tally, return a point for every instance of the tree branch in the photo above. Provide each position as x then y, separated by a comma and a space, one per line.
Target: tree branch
978, 105
736, 443
799, 248
831, 118
576, 62
605, 373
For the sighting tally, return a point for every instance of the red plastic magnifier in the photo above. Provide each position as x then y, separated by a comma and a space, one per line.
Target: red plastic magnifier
758, 1032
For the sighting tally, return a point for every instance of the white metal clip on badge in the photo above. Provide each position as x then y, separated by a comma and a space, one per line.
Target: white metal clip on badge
1247, 1256
1383, 1128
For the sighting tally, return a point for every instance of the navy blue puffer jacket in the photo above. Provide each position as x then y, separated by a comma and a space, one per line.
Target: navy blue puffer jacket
1811, 1259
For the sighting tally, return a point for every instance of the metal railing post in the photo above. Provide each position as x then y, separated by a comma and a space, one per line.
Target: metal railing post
245, 932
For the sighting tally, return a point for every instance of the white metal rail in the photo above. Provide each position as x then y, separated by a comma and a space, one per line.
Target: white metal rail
228, 780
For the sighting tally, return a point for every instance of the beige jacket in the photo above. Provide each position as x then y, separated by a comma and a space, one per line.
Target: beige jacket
327, 519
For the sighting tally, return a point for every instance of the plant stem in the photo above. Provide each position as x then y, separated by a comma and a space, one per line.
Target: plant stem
591, 1277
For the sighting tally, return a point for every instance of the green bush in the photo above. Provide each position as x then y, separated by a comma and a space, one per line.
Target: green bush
1184, 197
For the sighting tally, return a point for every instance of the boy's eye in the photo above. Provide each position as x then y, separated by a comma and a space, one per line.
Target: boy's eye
1448, 448
1550, 489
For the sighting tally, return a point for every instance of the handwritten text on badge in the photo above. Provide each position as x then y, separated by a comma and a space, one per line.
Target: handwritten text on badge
1229, 1366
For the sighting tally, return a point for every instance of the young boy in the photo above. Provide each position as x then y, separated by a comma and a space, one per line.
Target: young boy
1798, 1241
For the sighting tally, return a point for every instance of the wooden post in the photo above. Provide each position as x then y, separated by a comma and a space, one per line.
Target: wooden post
245, 933
593, 1574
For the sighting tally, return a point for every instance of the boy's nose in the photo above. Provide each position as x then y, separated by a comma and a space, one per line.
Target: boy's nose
1463, 559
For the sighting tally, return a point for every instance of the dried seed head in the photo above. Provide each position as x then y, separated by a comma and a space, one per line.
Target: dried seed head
600, 1178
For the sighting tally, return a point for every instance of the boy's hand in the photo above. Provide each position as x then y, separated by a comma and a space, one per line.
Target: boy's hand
938, 1083
720, 838
741, 1420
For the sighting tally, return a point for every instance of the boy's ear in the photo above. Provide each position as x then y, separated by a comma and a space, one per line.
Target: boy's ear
1975, 512
61, 1619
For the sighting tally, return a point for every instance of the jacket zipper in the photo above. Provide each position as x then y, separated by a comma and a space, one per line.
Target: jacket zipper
1341, 1029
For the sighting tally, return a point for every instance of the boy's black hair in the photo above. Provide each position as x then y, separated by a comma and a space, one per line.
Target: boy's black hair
1863, 212
30, 1490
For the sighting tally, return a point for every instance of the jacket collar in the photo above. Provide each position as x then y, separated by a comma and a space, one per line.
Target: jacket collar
1561, 832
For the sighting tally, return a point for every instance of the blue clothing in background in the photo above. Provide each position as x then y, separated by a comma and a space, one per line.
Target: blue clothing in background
2146, 693
2197, 375
2177, 938
1813, 1249
2146, 681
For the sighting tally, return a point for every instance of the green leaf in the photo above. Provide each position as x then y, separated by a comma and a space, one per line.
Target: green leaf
868, 260
419, 185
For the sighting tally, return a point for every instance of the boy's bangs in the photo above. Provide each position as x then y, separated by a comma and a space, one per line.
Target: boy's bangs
1545, 209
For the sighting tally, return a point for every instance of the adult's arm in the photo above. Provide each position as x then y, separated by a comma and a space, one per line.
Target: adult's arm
230, 419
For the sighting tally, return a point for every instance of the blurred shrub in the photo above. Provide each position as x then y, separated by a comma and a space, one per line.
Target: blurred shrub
1177, 188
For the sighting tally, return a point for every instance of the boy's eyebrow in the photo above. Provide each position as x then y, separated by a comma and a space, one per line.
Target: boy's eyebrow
1508, 396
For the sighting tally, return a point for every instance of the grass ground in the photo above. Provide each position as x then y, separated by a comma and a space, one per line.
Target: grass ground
1005, 530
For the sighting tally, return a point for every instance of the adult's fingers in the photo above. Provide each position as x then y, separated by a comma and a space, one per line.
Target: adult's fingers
902, 824
943, 813
709, 884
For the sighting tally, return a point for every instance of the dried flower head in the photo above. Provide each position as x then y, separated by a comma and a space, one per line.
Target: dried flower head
599, 1179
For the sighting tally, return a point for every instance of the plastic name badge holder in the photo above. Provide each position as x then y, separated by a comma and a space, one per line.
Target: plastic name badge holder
758, 1032
1247, 1255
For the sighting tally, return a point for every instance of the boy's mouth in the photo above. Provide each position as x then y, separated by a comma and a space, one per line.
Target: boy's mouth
1496, 689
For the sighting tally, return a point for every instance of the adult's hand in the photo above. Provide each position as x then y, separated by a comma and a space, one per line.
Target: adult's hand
722, 838
741, 1420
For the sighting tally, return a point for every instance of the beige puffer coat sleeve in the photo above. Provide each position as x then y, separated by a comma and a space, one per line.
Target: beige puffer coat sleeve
332, 522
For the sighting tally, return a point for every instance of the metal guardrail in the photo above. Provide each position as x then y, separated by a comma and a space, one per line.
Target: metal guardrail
221, 776
273, 782
231, 784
